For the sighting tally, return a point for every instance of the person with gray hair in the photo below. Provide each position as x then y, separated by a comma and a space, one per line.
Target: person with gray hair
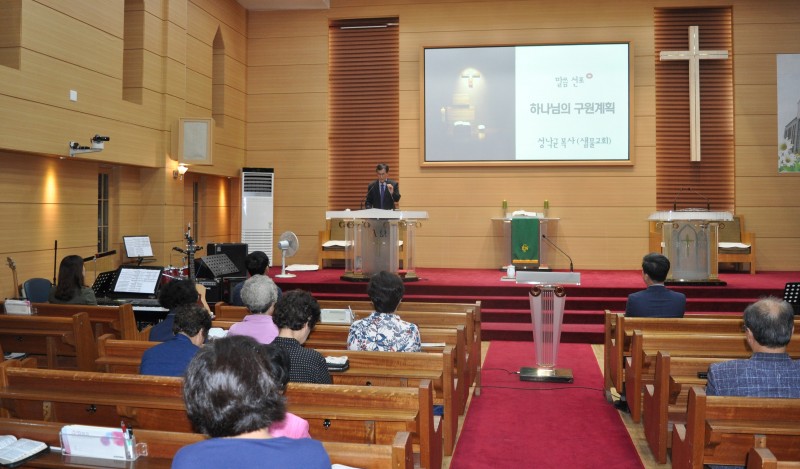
259, 295
769, 372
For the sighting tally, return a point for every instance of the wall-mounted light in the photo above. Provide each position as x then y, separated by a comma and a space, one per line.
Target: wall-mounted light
180, 171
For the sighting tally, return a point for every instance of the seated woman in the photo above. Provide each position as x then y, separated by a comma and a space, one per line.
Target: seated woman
70, 288
174, 294
231, 396
171, 358
383, 330
291, 426
296, 314
259, 294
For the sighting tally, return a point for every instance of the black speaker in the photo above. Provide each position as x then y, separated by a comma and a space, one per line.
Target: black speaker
237, 252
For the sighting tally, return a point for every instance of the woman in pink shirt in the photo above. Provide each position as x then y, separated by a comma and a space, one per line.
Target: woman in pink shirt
292, 426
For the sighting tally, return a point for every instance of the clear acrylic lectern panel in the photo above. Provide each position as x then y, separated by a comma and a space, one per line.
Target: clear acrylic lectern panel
372, 241
691, 244
547, 298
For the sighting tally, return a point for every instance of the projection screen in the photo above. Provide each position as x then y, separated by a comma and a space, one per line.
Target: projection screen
535, 104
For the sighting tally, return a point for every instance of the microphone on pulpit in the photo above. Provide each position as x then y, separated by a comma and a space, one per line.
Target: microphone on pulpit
708, 202
544, 237
675, 200
370, 188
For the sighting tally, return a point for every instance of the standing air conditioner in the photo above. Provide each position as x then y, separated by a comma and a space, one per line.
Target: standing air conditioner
257, 209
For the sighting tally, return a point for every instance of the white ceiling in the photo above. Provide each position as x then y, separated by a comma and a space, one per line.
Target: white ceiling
260, 5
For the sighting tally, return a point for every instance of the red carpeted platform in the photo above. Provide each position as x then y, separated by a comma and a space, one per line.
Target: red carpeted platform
505, 313
523, 424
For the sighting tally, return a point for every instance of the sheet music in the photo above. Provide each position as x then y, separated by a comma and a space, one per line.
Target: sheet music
138, 246
142, 281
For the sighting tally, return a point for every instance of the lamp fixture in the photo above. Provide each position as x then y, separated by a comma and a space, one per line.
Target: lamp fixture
180, 171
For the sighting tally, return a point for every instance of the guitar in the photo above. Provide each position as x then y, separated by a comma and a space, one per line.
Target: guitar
13, 266
191, 248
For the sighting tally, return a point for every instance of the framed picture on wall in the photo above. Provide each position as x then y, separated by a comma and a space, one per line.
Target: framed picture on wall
194, 140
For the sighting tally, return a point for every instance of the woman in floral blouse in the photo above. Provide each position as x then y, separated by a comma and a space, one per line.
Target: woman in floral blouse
383, 330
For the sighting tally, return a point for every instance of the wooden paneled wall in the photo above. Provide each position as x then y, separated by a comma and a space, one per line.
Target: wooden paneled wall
603, 210
275, 114
79, 45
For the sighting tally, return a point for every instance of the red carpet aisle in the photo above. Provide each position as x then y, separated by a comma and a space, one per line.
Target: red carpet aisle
542, 425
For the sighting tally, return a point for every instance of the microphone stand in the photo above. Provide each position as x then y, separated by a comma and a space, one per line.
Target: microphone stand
544, 237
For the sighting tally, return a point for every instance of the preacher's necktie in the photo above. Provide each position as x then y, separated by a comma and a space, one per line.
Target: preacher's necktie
383, 187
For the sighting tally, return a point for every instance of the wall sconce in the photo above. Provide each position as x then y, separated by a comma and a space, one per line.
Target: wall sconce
180, 171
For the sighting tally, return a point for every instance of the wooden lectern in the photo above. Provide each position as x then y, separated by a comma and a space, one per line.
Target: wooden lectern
690, 240
372, 241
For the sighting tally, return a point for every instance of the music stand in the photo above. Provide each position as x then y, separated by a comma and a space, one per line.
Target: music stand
219, 265
791, 294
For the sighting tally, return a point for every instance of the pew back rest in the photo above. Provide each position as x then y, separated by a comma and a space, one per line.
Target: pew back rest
118, 320
722, 429
120, 356
58, 342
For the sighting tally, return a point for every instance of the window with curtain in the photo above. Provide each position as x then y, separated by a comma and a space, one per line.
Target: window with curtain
712, 178
364, 82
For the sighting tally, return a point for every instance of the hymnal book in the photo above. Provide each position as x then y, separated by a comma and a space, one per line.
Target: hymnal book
15, 452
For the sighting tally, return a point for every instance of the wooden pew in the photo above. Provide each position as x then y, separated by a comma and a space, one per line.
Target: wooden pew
723, 429
370, 414
55, 342
619, 329
645, 347
118, 320
348, 414
406, 369
666, 398
406, 311
763, 458
420, 313
162, 446
334, 336
366, 369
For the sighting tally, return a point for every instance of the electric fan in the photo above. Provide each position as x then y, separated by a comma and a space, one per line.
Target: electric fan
288, 245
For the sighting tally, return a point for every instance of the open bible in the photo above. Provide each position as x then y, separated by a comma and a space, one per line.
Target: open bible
15, 452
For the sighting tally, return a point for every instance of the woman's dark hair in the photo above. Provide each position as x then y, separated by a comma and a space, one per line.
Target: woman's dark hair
385, 289
229, 388
178, 292
281, 364
70, 278
294, 309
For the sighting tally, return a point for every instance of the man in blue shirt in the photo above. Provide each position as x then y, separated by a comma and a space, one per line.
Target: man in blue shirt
171, 358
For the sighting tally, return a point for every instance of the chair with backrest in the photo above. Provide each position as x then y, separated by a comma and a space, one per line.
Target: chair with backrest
37, 290
737, 245
331, 243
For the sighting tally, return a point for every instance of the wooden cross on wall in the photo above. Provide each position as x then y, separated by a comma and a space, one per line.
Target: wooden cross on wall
694, 55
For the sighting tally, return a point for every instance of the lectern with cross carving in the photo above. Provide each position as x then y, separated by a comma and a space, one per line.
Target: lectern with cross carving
694, 55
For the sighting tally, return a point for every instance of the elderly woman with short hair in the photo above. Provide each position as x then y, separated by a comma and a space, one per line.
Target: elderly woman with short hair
259, 294
232, 396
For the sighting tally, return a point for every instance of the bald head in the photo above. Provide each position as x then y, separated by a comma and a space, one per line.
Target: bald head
771, 321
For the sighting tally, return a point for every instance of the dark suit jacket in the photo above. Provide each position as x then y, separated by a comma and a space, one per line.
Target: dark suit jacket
656, 302
373, 197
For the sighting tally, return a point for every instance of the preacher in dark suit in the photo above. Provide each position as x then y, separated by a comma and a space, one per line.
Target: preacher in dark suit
383, 192
656, 301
